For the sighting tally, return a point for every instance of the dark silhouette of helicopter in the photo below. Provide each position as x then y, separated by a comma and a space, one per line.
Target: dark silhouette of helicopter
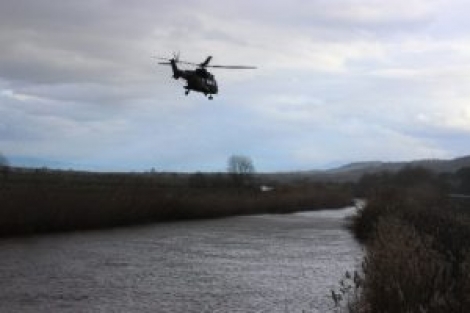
200, 79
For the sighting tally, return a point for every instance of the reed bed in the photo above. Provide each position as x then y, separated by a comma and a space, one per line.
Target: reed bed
48, 201
417, 250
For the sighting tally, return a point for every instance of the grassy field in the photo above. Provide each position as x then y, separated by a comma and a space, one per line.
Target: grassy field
417, 247
35, 201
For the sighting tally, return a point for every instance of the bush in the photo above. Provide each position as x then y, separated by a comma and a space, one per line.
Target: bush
418, 248
404, 273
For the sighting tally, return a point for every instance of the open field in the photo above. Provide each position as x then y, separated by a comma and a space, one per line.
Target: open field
34, 201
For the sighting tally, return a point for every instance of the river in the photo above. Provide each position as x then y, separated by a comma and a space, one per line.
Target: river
266, 263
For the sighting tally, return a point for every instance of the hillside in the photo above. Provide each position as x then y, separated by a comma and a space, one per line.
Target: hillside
353, 171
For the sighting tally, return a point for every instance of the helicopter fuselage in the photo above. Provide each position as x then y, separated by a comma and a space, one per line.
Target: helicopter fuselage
199, 80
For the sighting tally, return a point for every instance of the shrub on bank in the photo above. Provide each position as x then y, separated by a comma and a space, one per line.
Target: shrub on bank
417, 250
404, 273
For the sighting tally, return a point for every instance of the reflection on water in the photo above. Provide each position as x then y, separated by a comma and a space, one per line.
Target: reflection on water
269, 263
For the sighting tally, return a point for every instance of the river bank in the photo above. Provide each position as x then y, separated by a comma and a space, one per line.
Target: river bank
41, 201
417, 247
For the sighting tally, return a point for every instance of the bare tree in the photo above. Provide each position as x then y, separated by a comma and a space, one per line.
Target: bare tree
242, 169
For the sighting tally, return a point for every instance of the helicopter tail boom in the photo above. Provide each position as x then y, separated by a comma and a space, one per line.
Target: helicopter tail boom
176, 71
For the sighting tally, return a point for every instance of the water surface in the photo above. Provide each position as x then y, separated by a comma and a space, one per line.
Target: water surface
268, 263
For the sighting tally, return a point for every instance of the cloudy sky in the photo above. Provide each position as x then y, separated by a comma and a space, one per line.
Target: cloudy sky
337, 81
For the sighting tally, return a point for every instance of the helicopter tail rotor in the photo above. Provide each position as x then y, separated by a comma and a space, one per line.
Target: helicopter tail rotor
174, 67
173, 63
176, 56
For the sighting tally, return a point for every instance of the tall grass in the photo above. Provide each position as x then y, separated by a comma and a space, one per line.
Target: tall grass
417, 249
46, 201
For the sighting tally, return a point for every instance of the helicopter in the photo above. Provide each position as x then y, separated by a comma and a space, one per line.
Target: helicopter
199, 79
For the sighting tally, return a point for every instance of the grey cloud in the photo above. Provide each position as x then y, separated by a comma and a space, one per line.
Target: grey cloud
333, 20
68, 41
77, 82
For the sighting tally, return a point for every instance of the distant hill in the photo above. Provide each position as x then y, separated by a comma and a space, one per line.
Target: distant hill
354, 171
444, 165
357, 166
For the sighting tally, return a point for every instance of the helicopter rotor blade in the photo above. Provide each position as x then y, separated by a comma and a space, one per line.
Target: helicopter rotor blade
160, 58
175, 58
204, 64
233, 67
189, 63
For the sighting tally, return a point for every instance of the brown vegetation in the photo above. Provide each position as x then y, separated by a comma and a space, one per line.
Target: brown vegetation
417, 247
33, 201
